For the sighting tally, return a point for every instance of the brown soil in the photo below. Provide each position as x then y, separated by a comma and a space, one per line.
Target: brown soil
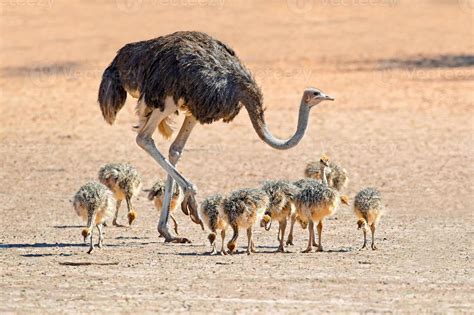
402, 74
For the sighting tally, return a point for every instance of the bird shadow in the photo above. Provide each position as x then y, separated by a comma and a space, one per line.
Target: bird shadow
67, 226
340, 250
86, 263
45, 255
131, 238
41, 245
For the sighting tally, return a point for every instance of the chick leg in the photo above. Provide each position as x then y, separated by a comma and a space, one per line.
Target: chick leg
90, 227
311, 237
365, 239
281, 248
223, 252
232, 243
117, 207
320, 232
372, 229
249, 240
91, 247
100, 228
314, 241
289, 240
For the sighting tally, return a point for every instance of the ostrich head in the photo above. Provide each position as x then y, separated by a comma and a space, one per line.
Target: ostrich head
362, 224
303, 223
324, 160
132, 215
345, 200
313, 97
86, 233
266, 222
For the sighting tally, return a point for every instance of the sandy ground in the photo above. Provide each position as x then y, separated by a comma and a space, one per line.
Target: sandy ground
403, 76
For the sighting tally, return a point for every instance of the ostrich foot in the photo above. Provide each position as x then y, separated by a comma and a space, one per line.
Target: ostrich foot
308, 250
189, 205
374, 247
163, 231
280, 249
320, 249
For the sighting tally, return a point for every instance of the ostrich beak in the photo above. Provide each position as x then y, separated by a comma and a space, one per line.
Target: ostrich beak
328, 98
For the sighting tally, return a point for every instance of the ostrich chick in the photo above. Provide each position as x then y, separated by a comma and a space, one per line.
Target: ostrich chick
297, 216
157, 193
94, 203
282, 197
242, 208
212, 213
337, 177
368, 209
316, 202
125, 182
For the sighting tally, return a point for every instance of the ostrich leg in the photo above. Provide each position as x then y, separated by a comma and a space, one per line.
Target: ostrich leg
145, 141
175, 152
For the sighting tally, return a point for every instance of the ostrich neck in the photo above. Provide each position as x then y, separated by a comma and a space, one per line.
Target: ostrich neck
324, 175
281, 144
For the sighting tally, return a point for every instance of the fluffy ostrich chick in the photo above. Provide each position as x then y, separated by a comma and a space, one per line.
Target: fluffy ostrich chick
157, 193
243, 208
94, 203
296, 216
316, 202
337, 177
368, 208
125, 182
212, 213
282, 197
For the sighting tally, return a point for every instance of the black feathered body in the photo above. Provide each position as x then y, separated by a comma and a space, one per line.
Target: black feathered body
202, 72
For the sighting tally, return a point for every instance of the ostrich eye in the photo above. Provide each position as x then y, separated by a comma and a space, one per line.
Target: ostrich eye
316, 93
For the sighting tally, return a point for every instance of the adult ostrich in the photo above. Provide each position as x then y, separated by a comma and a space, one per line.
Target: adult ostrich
199, 75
